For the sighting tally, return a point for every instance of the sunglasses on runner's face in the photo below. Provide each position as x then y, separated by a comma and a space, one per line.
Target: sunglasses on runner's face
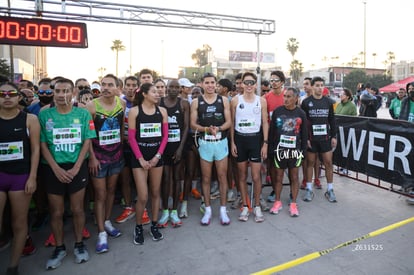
274, 80
249, 82
80, 88
12, 93
45, 92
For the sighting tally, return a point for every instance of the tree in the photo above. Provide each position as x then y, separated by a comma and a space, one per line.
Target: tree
355, 77
4, 68
296, 70
200, 56
292, 46
117, 47
380, 80
390, 59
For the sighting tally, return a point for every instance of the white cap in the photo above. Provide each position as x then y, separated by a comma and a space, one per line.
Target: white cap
95, 86
185, 82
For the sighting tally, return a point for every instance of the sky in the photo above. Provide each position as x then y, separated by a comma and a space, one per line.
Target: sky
324, 28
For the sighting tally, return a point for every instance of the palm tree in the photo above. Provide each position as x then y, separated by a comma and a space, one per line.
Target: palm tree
292, 46
296, 70
117, 47
374, 55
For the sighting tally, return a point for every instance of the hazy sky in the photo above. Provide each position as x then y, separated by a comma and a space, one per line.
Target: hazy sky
331, 28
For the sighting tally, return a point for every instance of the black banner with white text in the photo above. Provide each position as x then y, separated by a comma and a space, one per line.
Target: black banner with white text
380, 148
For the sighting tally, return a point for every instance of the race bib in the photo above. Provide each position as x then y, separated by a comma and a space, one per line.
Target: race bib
246, 125
150, 130
210, 137
287, 141
109, 137
319, 130
174, 135
11, 150
66, 136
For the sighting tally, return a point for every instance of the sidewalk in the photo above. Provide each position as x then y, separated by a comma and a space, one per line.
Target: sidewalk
246, 247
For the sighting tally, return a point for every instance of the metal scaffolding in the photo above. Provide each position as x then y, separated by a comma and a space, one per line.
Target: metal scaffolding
118, 13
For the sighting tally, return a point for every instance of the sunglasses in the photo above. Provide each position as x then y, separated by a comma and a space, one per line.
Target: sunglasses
84, 88
45, 92
12, 93
249, 82
274, 80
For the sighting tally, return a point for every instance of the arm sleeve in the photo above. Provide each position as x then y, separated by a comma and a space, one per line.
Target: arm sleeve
133, 143
164, 140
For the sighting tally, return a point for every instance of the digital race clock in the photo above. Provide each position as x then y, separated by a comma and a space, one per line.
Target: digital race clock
39, 32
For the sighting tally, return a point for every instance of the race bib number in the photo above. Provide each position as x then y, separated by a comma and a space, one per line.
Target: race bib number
174, 135
109, 137
319, 130
287, 141
247, 125
11, 151
150, 130
66, 136
210, 137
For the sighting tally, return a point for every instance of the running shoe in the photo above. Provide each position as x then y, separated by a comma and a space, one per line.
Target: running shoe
81, 254
85, 233
244, 215
138, 235
196, 194
145, 218
237, 203
183, 210
293, 209
175, 220
102, 243
205, 220
163, 221
224, 218
308, 195
156, 234
202, 207
330, 195
214, 191
271, 197
317, 183
263, 204
126, 215
111, 230
50, 240
56, 260
303, 185
231, 195
258, 215
29, 248
277, 206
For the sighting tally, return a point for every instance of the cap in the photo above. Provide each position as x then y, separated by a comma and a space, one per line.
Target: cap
325, 91
95, 86
185, 82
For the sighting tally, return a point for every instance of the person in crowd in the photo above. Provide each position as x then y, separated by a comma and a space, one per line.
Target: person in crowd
178, 111
106, 159
145, 76
369, 103
131, 85
192, 161
274, 99
80, 84
407, 104
148, 137
321, 136
249, 141
161, 87
395, 106
346, 107
210, 116
20, 139
186, 86
288, 139
265, 87
65, 137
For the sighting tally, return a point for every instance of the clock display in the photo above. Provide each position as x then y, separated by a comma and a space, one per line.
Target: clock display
39, 32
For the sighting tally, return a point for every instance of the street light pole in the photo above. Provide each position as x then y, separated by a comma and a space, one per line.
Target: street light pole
365, 34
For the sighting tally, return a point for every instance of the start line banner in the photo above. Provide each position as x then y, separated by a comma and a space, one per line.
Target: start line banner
379, 148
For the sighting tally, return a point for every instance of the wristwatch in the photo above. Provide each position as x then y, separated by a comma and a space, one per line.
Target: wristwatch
266, 141
158, 155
